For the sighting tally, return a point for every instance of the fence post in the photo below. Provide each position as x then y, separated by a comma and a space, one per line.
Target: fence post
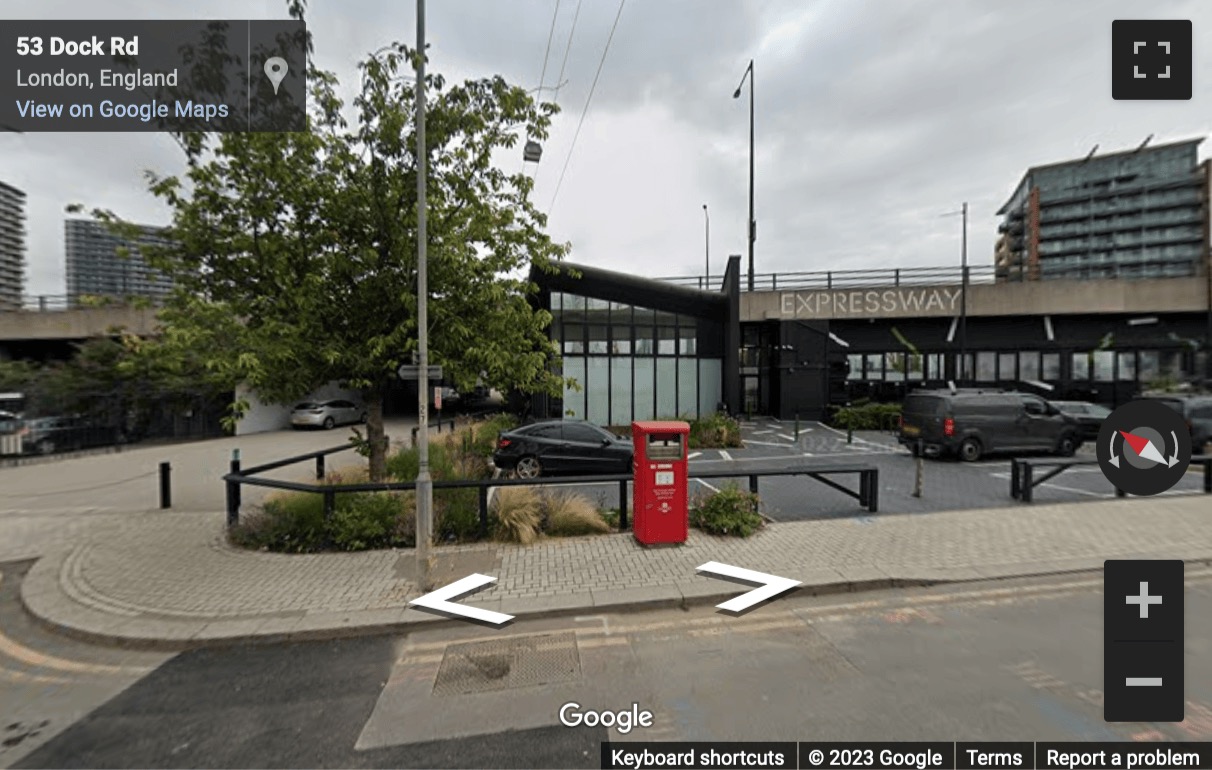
1026, 493
623, 506
774, 281
896, 280
233, 491
919, 472
849, 432
1014, 478
166, 488
330, 504
753, 483
483, 511
873, 491
797, 427
320, 467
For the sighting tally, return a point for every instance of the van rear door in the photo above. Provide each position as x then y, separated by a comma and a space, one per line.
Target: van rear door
922, 417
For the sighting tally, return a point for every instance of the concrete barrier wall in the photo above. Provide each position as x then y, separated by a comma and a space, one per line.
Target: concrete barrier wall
78, 324
1172, 295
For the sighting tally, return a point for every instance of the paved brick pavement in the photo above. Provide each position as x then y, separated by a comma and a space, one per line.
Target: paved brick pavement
169, 579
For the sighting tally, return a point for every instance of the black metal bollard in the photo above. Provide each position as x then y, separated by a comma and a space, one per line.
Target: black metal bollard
483, 512
622, 506
320, 467
797, 427
166, 489
233, 491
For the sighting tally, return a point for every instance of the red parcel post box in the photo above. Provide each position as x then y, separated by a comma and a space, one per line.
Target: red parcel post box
661, 505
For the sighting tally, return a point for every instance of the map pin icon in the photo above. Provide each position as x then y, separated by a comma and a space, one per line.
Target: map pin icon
275, 70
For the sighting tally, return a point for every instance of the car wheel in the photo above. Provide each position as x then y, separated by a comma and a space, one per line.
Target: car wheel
329, 423
46, 446
1067, 445
529, 467
970, 450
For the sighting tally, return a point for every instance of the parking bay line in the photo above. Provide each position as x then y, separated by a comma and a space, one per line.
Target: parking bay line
725, 456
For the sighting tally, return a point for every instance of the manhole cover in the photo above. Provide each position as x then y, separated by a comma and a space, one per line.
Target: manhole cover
503, 664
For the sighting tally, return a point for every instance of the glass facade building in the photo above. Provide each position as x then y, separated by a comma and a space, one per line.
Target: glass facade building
1136, 214
633, 349
96, 266
627, 362
12, 246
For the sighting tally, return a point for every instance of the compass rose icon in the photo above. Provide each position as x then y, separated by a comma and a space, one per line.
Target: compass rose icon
1144, 447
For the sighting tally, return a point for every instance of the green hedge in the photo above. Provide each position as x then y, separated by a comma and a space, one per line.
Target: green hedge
295, 523
731, 511
869, 416
717, 431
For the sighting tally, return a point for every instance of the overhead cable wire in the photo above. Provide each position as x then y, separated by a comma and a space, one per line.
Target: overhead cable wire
588, 100
560, 82
555, 14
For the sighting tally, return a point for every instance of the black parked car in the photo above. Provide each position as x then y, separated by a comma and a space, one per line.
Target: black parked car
562, 446
1089, 416
1197, 413
973, 423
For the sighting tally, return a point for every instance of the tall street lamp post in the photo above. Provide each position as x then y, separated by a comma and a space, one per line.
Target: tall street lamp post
752, 222
424, 524
706, 248
963, 319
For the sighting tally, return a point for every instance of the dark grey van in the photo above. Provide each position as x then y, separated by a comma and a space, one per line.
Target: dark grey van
973, 423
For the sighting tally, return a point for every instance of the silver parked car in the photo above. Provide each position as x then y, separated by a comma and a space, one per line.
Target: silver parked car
327, 414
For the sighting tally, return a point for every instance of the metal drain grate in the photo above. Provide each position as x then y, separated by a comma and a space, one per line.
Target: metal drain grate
504, 664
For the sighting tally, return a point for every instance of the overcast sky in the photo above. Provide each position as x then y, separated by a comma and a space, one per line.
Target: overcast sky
874, 119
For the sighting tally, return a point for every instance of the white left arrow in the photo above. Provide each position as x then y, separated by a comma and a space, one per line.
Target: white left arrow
440, 600
770, 585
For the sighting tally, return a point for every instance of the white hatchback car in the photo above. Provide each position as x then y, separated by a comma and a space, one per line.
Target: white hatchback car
327, 414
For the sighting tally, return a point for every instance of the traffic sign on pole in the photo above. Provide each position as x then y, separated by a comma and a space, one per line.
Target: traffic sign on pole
413, 372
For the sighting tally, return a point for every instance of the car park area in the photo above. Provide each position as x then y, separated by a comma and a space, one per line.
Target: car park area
947, 484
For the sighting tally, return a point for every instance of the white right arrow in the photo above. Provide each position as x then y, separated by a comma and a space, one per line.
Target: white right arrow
440, 600
771, 585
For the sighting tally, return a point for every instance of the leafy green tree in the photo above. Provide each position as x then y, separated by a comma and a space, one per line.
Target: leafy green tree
295, 253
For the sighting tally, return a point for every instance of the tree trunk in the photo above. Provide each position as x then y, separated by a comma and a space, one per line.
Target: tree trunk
375, 435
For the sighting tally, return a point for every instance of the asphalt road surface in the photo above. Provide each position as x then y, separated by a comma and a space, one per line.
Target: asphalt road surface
947, 484
998, 661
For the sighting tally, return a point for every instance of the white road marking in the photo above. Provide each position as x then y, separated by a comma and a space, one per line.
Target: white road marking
775, 419
725, 456
765, 443
704, 483
789, 438
856, 438
762, 432
693, 455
